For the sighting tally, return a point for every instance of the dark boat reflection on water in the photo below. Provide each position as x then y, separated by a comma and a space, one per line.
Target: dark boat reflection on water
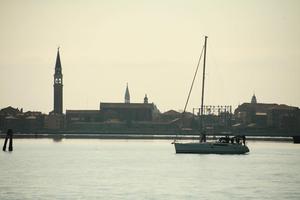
57, 138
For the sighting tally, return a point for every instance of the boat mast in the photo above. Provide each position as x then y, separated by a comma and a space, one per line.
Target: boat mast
203, 79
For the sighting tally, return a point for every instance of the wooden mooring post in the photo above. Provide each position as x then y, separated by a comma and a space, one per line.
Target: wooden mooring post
296, 139
9, 136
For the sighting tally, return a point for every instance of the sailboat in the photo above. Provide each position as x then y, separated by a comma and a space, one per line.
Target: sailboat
224, 145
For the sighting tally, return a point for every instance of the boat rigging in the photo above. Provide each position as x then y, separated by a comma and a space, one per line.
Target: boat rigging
224, 145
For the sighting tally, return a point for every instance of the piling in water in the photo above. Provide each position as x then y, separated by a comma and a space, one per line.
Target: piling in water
296, 139
9, 135
5, 142
10, 146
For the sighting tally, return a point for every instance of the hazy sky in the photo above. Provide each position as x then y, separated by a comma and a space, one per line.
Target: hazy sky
253, 46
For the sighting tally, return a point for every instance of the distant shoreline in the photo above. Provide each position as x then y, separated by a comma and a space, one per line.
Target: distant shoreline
136, 136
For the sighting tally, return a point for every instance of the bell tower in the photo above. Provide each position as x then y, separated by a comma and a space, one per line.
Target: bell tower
58, 86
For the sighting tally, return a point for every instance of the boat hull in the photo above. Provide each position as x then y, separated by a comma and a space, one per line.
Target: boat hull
211, 148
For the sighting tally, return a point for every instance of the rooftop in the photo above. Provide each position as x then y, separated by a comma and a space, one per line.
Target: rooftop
104, 105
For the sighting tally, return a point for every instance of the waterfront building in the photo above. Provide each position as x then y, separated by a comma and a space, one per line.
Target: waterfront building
19, 121
9, 118
127, 111
73, 116
262, 115
54, 122
284, 117
113, 114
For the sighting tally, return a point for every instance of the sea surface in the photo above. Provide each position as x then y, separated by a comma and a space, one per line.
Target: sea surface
145, 169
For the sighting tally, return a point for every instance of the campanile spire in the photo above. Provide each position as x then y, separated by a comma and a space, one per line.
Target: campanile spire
58, 86
127, 95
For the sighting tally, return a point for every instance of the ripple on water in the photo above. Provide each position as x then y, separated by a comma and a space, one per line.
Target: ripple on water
138, 169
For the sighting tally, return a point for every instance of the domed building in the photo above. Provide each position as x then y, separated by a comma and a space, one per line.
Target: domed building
262, 114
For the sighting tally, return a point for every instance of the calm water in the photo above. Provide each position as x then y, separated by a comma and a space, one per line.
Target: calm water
139, 169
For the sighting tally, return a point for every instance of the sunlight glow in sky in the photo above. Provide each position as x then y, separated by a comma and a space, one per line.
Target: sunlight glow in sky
253, 46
